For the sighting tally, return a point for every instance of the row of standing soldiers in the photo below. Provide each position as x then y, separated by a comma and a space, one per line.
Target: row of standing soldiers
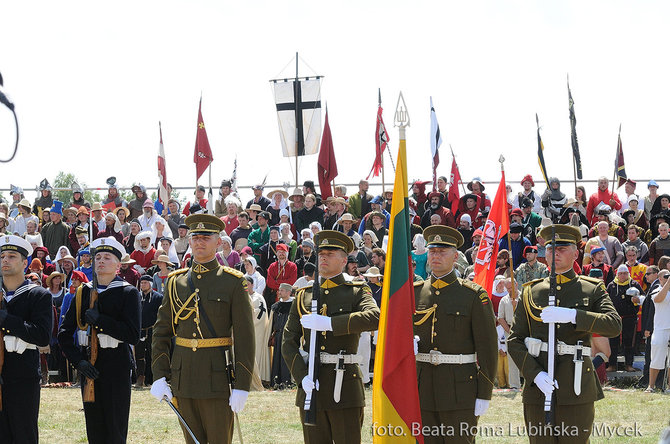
455, 343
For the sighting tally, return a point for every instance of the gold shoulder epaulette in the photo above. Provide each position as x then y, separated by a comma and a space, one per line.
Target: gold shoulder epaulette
307, 287
590, 279
233, 271
356, 283
534, 281
178, 272
471, 285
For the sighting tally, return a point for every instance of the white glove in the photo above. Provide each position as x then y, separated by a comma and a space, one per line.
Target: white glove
416, 345
481, 406
545, 384
308, 384
10, 343
237, 400
160, 389
316, 322
82, 338
560, 315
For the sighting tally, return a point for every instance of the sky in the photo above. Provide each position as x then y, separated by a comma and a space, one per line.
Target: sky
91, 81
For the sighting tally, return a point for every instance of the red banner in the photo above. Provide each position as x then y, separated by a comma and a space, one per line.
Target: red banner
496, 226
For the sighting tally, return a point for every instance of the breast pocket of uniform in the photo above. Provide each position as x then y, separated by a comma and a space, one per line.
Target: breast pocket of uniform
217, 304
339, 308
454, 316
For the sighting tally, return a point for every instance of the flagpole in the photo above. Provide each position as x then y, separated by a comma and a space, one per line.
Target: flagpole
296, 122
501, 159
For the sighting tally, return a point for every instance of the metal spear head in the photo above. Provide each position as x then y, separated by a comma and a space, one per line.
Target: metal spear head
401, 118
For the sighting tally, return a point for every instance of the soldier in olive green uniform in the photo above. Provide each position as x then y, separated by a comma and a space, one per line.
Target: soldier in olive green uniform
582, 307
457, 344
201, 308
346, 309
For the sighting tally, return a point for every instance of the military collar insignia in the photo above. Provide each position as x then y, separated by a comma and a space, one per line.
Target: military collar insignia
328, 284
199, 268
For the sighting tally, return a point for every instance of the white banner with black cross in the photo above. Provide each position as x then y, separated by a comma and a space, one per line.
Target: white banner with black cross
299, 115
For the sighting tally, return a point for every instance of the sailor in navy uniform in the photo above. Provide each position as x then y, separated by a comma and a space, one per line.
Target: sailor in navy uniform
26, 320
116, 318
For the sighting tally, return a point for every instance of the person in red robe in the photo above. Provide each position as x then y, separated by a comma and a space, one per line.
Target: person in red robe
603, 194
280, 271
144, 252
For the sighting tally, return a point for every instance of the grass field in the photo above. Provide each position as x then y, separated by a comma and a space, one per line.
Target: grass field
270, 417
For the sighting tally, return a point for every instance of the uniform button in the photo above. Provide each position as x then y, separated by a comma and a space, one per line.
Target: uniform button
558, 325
435, 348
326, 292
197, 290
458, 312
194, 335
199, 276
588, 369
470, 376
340, 309
354, 375
434, 333
437, 291
435, 305
218, 300
323, 347
558, 287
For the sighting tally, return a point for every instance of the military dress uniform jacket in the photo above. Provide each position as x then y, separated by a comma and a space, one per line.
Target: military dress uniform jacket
119, 307
352, 310
454, 316
595, 314
30, 318
221, 294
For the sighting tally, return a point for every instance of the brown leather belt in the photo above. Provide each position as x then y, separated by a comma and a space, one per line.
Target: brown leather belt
195, 344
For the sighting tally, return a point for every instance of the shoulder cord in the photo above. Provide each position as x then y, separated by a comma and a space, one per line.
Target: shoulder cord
180, 310
529, 303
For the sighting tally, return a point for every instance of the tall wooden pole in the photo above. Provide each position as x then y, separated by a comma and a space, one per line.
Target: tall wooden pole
297, 116
509, 239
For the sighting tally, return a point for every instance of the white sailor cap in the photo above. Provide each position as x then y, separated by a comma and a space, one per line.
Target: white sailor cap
108, 245
10, 242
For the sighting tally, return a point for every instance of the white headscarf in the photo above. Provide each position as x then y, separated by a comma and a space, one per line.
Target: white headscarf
117, 223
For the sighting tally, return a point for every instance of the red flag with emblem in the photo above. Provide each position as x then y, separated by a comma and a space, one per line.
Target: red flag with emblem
202, 156
496, 226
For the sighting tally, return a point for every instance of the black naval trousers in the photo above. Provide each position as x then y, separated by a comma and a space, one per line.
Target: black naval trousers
20, 403
107, 417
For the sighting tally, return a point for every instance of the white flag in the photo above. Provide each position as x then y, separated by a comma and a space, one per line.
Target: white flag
299, 137
163, 194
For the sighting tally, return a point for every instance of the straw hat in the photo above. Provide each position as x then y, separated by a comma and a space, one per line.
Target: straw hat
345, 217
25, 203
124, 209
162, 258
255, 207
282, 192
373, 272
96, 206
69, 258
53, 275
127, 260
296, 192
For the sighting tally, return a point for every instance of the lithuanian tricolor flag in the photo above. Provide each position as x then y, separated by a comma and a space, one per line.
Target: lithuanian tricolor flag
395, 397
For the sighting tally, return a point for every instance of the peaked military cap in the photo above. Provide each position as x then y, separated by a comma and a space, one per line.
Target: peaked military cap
11, 242
108, 245
334, 240
565, 234
204, 224
442, 236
